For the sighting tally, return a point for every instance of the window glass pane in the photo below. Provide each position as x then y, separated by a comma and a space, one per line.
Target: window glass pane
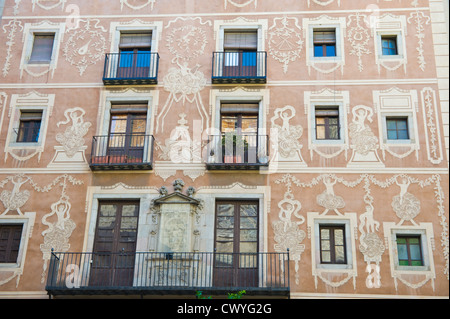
249, 210
318, 51
391, 124
325, 245
334, 132
249, 58
339, 236
392, 135
416, 263
340, 255
320, 133
248, 223
331, 50
326, 256
415, 252
225, 222
143, 59
249, 235
402, 135
126, 59
402, 252
225, 210
402, 124
223, 235
325, 233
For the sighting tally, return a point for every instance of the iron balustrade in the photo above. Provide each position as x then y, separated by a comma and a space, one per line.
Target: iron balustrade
131, 68
122, 151
245, 150
142, 273
239, 67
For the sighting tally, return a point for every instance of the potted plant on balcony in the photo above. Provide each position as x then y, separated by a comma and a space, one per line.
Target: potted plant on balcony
237, 142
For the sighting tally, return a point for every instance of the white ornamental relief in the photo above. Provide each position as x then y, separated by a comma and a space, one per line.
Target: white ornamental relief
86, 45
285, 42
13, 26
180, 148
288, 146
240, 3
287, 234
13, 200
72, 139
49, 4
137, 4
420, 20
184, 82
323, 3
405, 204
358, 35
328, 199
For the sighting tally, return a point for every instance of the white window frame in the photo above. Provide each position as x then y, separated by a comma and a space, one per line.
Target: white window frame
390, 25
44, 27
29, 102
425, 230
325, 22
349, 220
27, 220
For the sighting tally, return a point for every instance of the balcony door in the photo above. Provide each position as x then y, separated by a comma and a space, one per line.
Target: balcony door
127, 133
240, 53
115, 244
239, 122
134, 55
236, 244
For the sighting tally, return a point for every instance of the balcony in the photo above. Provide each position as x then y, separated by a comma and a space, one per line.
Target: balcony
158, 273
237, 152
122, 152
130, 68
239, 68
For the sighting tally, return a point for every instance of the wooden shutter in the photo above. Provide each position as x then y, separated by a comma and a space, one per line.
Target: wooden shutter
241, 40
10, 236
135, 40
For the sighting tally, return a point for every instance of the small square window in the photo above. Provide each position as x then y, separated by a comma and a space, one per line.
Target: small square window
29, 127
332, 244
397, 128
42, 48
389, 45
327, 123
324, 43
409, 250
10, 236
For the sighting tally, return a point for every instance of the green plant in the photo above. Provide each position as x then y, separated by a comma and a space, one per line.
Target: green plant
199, 295
238, 140
238, 295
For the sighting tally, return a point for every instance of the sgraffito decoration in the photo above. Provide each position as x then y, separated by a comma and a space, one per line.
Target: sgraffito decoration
86, 44
405, 207
186, 41
73, 137
240, 3
59, 230
359, 36
137, 4
285, 42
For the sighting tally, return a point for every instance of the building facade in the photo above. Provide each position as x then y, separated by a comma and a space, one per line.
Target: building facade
154, 148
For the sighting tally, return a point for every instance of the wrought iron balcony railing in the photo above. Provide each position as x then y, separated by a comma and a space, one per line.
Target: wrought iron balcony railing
239, 67
131, 68
149, 273
122, 151
247, 151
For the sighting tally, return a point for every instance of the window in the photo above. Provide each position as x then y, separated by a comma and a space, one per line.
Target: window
324, 43
42, 48
332, 244
389, 45
240, 49
29, 126
409, 250
397, 128
135, 54
10, 236
327, 123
